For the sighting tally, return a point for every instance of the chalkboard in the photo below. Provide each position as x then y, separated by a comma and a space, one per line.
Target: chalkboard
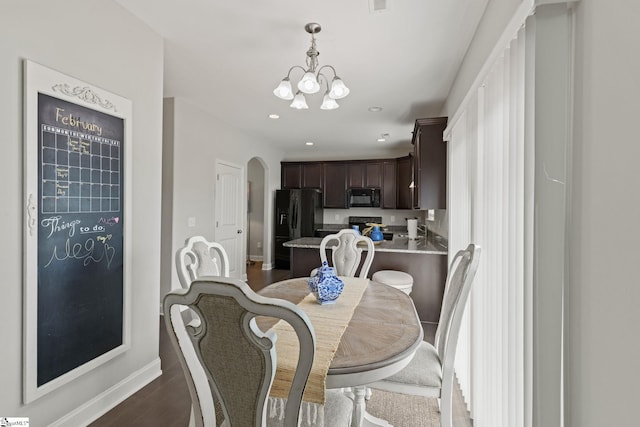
77, 238
80, 235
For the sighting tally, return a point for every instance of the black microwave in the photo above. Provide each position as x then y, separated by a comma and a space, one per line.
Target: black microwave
364, 197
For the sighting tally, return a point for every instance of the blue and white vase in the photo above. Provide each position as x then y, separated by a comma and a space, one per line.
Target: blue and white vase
328, 286
313, 281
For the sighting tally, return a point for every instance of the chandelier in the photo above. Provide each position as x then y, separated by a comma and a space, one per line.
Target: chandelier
312, 80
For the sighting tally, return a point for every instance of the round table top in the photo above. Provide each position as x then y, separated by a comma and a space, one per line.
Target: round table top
384, 329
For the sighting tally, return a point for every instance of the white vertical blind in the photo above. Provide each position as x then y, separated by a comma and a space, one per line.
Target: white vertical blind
460, 236
486, 196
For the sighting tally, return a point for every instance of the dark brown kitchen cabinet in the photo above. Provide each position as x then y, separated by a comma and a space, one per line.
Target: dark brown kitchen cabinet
393, 176
301, 175
364, 174
291, 175
404, 180
335, 184
430, 164
373, 174
355, 175
389, 189
312, 175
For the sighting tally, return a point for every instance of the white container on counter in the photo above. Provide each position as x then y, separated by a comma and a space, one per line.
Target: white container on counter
412, 228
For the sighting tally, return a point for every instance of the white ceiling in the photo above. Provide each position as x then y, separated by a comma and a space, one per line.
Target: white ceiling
227, 57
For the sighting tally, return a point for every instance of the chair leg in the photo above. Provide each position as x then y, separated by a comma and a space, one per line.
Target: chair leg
446, 415
348, 391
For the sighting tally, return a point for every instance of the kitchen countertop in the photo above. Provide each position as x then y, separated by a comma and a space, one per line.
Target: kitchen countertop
432, 245
338, 227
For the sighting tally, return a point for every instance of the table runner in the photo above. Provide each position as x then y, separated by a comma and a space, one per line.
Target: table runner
329, 323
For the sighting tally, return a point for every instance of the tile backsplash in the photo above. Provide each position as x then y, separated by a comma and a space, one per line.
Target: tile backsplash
440, 223
389, 216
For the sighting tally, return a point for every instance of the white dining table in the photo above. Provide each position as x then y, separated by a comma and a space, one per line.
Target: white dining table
381, 338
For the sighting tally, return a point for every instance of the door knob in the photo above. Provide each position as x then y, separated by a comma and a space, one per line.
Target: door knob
239, 231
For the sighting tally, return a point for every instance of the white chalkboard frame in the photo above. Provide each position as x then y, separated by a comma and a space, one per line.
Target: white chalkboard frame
40, 79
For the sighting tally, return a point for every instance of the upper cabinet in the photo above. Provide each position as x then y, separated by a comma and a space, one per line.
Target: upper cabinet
291, 175
335, 185
430, 164
389, 186
301, 175
404, 180
373, 174
364, 174
312, 175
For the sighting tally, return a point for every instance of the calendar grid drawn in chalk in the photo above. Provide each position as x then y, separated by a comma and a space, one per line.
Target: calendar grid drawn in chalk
80, 172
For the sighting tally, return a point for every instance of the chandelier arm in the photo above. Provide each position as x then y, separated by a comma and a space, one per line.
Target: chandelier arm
292, 68
321, 77
327, 66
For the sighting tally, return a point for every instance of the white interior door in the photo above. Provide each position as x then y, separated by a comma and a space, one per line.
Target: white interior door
229, 201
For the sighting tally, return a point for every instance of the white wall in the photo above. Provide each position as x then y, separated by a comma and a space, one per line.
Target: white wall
100, 43
256, 215
603, 292
198, 141
495, 17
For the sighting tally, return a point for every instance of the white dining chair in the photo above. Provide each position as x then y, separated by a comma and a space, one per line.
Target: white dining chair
239, 360
430, 373
200, 257
347, 254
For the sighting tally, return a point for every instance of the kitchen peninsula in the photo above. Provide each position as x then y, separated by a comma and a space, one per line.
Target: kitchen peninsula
425, 259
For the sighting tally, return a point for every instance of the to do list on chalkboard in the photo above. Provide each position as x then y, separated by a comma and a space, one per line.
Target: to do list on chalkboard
80, 236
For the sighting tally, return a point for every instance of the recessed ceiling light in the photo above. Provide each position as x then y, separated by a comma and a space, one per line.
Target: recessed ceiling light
383, 137
274, 116
375, 109
308, 143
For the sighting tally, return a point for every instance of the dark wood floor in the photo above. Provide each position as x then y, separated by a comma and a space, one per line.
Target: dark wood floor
166, 402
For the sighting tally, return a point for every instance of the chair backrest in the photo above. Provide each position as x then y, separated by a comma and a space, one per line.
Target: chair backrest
346, 256
238, 359
462, 270
200, 257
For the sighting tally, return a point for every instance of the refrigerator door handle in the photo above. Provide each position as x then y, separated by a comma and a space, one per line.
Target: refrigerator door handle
290, 217
294, 221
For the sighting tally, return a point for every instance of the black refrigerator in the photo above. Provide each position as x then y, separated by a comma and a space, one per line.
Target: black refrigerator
298, 214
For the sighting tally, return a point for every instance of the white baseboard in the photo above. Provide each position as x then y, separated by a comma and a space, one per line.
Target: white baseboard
110, 398
267, 266
257, 258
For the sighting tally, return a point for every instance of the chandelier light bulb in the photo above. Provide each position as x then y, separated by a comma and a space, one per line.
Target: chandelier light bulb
284, 89
338, 89
309, 84
328, 103
299, 102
